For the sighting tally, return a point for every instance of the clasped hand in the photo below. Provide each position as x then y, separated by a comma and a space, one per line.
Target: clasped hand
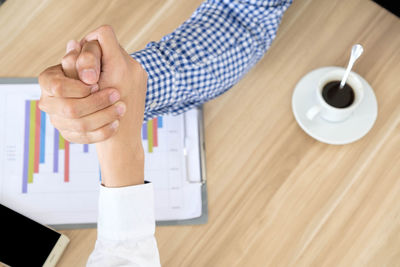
96, 83
97, 95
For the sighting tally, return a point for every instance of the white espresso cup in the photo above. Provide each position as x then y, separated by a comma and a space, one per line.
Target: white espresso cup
331, 113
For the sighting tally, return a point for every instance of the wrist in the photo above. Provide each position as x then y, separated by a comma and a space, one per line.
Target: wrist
121, 163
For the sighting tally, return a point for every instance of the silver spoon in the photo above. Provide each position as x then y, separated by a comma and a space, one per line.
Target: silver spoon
356, 52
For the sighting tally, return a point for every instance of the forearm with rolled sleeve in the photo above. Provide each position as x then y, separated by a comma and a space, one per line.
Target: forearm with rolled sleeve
208, 53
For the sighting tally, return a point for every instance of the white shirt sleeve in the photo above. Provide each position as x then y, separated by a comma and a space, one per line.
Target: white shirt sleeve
125, 228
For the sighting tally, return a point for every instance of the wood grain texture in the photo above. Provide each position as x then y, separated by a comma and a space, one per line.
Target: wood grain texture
277, 197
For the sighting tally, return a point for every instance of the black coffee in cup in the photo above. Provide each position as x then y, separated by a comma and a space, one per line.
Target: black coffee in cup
336, 97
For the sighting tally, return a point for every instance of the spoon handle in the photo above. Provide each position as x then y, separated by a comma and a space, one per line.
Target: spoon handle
346, 74
356, 52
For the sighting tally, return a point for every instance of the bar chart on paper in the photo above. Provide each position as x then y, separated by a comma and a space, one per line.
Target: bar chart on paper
166, 167
34, 153
40, 168
47, 155
49, 179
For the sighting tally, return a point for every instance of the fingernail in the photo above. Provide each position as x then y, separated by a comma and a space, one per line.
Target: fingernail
89, 76
121, 109
114, 125
70, 46
94, 88
114, 97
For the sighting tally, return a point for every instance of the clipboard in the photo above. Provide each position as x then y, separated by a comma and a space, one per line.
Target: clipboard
203, 181
203, 219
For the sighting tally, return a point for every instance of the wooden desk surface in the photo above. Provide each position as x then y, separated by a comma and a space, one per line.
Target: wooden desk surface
277, 197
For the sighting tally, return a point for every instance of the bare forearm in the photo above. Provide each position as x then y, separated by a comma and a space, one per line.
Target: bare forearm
122, 164
122, 156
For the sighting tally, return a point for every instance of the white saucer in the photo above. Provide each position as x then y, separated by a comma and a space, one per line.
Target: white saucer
336, 133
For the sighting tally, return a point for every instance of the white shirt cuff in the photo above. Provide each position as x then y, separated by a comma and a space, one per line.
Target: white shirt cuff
126, 212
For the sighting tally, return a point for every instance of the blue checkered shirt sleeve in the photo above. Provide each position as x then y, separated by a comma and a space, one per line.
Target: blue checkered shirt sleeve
208, 53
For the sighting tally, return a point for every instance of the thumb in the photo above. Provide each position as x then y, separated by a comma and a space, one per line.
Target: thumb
88, 63
108, 41
68, 62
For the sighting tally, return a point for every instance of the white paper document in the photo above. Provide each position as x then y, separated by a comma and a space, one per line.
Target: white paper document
55, 182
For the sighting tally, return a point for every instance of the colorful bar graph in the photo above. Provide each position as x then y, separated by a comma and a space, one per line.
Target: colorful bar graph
144, 131
32, 116
35, 144
37, 138
26, 148
55, 151
61, 142
160, 122
150, 136
150, 132
155, 132
42, 136
66, 161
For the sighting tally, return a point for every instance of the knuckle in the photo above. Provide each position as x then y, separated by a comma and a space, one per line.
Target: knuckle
48, 71
55, 123
70, 111
68, 60
101, 99
84, 138
56, 86
41, 77
83, 92
81, 126
105, 28
43, 80
67, 136
86, 57
41, 104
103, 134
